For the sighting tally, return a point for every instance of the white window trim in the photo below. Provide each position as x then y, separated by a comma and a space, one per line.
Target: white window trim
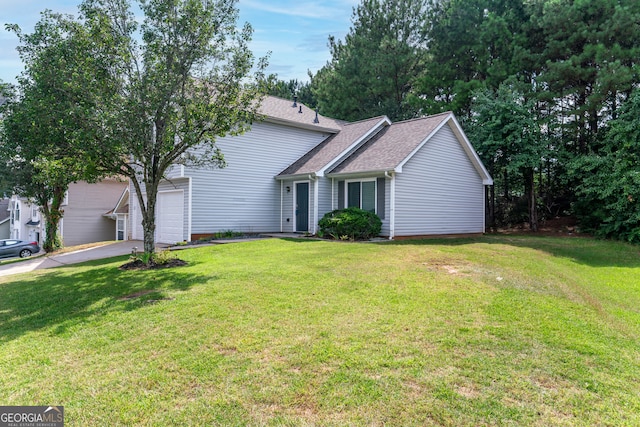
375, 192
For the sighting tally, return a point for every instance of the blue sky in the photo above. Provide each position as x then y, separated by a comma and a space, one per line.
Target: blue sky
296, 32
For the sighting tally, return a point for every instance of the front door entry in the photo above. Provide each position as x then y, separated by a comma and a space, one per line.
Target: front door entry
302, 206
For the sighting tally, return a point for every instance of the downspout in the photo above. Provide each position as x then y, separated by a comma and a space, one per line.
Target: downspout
333, 184
392, 205
190, 208
281, 204
315, 203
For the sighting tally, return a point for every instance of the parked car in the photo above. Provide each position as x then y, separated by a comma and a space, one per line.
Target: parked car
12, 247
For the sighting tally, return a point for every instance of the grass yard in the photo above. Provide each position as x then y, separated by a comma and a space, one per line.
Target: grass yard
498, 330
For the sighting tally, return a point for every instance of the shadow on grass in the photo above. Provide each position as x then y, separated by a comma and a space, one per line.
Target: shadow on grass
62, 298
583, 250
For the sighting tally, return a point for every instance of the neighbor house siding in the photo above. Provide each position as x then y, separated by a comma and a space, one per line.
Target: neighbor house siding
244, 196
439, 191
83, 220
4, 229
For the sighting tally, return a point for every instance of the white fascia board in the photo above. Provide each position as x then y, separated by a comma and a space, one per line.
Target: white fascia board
398, 168
299, 125
475, 159
298, 176
464, 142
355, 145
363, 174
125, 191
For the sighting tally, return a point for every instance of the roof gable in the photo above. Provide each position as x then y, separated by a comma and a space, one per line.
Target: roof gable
392, 148
336, 147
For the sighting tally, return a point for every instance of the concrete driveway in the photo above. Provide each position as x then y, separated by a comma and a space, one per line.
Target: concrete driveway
98, 252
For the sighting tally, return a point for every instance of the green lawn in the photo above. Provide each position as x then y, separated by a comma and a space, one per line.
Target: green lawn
501, 330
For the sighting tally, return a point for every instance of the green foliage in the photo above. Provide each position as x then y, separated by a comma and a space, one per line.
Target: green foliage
43, 138
587, 67
289, 89
609, 188
472, 44
179, 80
350, 224
511, 144
371, 73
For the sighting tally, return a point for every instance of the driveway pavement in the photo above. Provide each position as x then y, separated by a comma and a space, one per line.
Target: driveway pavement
98, 252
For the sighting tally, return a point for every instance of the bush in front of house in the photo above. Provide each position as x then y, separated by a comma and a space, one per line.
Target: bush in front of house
350, 224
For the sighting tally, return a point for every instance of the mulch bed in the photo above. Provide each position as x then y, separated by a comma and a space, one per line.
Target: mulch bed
140, 265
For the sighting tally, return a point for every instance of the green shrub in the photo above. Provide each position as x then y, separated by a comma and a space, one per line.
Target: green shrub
350, 223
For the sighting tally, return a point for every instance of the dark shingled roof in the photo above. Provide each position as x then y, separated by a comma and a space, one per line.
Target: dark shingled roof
391, 146
329, 149
282, 110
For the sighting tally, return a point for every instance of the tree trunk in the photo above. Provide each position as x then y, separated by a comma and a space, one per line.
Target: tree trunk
491, 206
52, 216
149, 220
529, 179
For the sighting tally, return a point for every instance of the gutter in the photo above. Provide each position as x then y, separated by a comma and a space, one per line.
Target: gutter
392, 204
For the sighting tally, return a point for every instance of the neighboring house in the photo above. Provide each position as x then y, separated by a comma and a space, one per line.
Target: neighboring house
421, 177
4, 219
85, 204
24, 220
120, 214
83, 221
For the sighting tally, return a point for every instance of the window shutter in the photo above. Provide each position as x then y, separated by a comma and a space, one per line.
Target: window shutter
340, 194
381, 202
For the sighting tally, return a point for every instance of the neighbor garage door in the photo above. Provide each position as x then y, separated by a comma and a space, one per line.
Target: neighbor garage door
170, 218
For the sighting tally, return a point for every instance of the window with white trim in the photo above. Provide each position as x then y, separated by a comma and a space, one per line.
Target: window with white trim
366, 194
362, 194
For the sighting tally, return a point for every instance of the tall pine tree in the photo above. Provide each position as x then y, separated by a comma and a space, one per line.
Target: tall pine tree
373, 70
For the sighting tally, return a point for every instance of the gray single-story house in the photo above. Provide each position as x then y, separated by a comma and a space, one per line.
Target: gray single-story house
421, 177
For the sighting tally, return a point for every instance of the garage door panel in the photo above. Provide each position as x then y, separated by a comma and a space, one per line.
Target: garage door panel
170, 217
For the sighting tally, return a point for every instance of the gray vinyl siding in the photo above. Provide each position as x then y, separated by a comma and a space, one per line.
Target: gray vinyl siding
83, 220
288, 218
439, 191
244, 196
324, 199
179, 184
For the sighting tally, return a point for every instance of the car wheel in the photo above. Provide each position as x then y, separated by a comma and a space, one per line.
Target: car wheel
25, 253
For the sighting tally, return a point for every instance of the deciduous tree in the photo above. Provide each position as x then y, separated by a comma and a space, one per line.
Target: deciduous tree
182, 79
41, 149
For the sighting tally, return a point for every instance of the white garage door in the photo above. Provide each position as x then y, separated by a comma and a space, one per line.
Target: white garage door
170, 217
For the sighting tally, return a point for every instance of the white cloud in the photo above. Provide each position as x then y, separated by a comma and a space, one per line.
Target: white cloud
304, 9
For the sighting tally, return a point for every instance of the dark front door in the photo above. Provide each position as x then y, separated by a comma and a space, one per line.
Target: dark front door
302, 206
